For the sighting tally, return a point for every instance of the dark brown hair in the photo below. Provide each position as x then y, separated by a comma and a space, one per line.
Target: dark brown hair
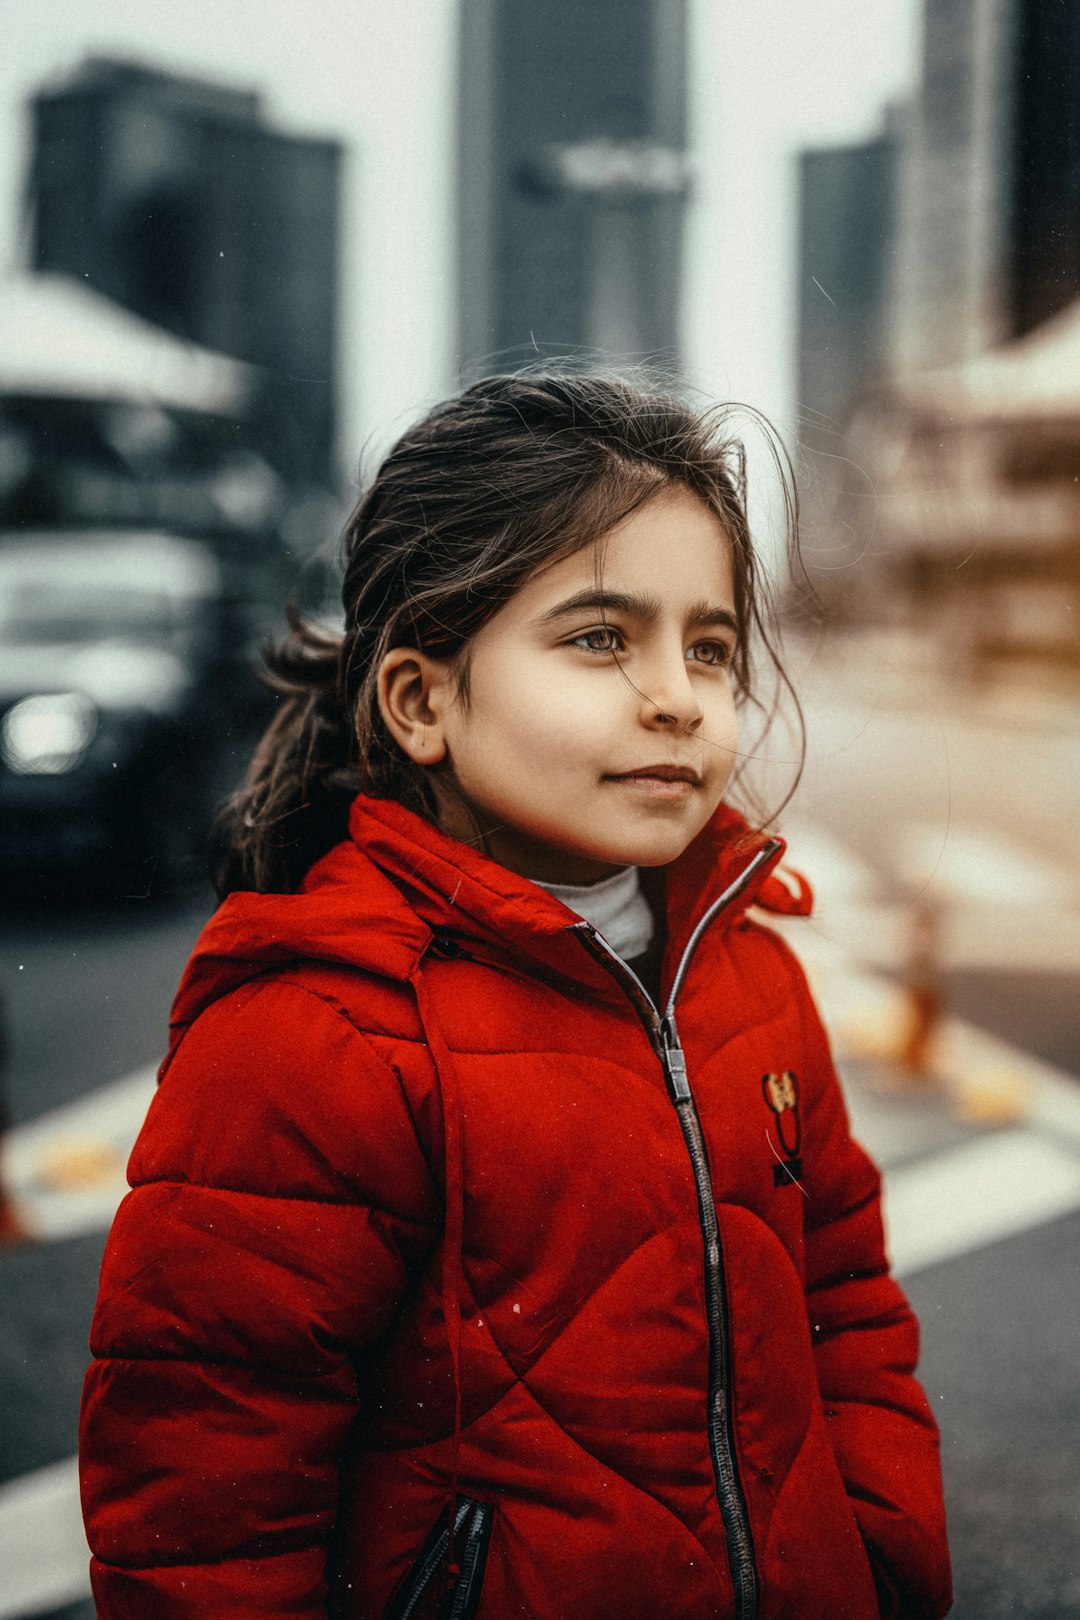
512, 474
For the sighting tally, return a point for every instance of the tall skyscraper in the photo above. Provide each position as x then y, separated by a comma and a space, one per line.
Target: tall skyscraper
988, 230
950, 298
846, 214
176, 198
573, 177
1044, 268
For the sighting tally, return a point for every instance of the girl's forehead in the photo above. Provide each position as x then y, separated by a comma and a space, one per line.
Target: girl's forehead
671, 544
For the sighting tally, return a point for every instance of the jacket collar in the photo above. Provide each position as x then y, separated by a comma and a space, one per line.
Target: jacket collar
467, 899
398, 885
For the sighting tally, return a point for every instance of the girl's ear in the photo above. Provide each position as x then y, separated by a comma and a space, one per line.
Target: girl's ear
414, 692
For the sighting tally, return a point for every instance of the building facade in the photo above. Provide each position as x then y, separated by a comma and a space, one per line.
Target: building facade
573, 178
176, 198
957, 501
846, 212
1044, 258
950, 297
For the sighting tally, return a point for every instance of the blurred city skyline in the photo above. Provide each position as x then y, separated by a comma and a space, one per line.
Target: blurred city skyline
764, 83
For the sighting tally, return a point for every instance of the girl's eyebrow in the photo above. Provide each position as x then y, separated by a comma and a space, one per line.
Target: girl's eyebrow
637, 605
704, 612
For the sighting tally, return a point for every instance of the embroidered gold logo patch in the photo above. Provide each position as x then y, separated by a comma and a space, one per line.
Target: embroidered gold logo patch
781, 1093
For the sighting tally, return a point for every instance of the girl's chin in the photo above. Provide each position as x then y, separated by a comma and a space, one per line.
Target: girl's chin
551, 863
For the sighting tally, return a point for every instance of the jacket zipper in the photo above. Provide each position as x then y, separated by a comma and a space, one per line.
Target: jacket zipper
664, 1034
475, 1518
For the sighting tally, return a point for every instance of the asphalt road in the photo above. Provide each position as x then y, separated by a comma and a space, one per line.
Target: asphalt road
1035, 1011
1001, 1330
87, 993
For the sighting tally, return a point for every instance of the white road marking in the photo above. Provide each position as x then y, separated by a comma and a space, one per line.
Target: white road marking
107, 1112
1001, 1182
1001, 905
980, 1193
43, 1551
66, 1168
970, 863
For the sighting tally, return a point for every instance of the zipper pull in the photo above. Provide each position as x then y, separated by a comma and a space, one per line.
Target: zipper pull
674, 1059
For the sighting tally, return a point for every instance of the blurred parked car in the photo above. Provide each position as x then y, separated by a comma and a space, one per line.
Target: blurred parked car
127, 706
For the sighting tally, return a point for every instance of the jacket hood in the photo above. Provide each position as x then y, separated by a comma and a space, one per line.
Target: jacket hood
380, 899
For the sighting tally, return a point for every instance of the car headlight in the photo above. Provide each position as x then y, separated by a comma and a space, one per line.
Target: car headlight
49, 734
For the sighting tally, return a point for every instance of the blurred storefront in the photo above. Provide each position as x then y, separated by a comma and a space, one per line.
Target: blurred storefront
941, 385
111, 423
167, 466
106, 418
976, 470
141, 563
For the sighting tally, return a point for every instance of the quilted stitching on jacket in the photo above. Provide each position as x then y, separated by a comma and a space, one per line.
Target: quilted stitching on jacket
270, 1336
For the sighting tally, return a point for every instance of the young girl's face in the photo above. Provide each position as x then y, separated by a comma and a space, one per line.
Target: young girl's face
599, 729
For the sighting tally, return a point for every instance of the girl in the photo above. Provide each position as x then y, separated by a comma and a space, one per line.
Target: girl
497, 1244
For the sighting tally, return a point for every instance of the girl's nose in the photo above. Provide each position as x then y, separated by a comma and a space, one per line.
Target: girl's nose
669, 700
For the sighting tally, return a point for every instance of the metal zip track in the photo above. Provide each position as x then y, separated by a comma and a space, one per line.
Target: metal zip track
473, 1557
432, 1556
729, 1491
664, 1034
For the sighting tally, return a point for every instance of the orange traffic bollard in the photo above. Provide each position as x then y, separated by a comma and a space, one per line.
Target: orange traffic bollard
923, 990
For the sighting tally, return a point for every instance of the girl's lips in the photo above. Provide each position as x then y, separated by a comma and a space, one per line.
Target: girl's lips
663, 781
660, 773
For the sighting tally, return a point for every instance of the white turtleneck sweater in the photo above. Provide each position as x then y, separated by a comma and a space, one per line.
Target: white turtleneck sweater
615, 906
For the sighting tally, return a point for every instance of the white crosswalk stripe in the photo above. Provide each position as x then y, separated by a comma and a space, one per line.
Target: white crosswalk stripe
66, 1168
991, 1188
977, 865
998, 904
43, 1551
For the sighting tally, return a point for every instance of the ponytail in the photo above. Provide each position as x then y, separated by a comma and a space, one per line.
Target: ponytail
293, 803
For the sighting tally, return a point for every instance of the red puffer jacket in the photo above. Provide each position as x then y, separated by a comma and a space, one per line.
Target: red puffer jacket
433, 1210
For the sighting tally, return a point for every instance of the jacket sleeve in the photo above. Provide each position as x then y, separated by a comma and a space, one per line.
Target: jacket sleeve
280, 1200
866, 1345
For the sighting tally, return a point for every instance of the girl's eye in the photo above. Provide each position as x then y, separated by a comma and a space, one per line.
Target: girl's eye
710, 652
604, 639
